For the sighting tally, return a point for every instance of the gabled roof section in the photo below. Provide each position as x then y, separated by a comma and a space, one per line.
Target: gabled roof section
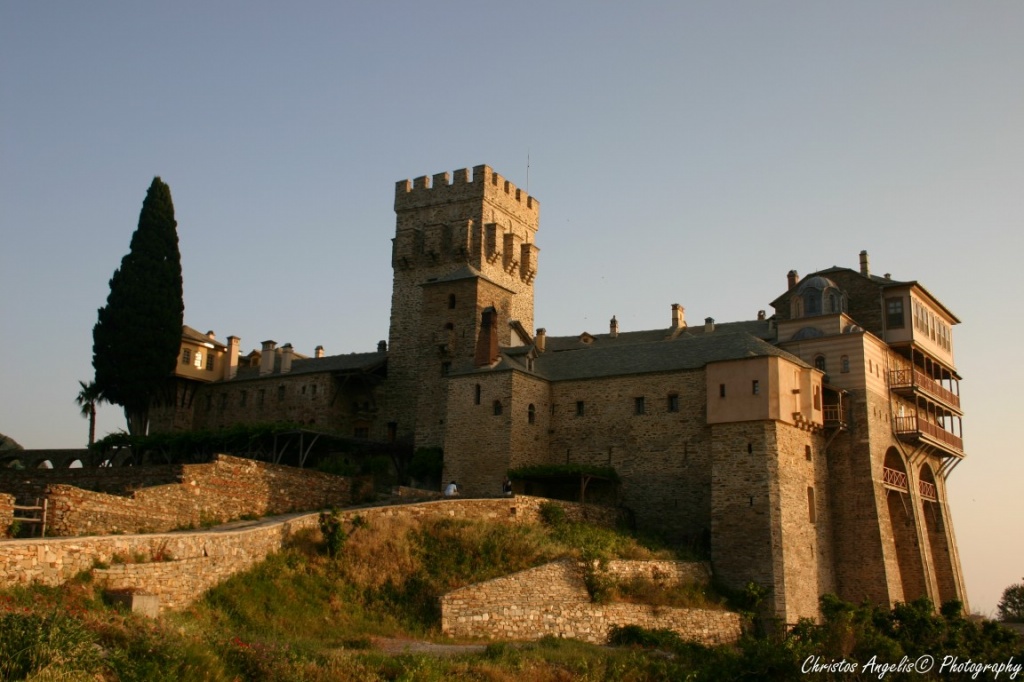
195, 336
761, 329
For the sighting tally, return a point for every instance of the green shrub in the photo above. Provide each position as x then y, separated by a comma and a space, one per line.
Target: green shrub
30, 643
634, 635
552, 514
333, 532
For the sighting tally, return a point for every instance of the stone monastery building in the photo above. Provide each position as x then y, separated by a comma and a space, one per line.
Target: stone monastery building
811, 447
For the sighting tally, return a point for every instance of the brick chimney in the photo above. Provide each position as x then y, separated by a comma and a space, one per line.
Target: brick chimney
318, 352
678, 316
267, 357
792, 278
540, 339
487, 342
864, 263
613, 327
231, 366
286, 358
709, 325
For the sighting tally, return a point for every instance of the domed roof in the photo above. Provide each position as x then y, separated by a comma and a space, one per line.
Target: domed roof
817, 282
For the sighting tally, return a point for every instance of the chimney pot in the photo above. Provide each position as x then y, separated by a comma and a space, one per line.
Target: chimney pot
267, 357
540, 339
760, 315
864, 263
792, 278
382, 346
286, 358
709, 324
318, 352
678, 316
231, 366
613, 327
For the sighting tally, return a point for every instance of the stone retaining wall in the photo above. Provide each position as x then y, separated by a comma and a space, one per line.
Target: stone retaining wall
30, 484
6, 513
227, 488
553, 600
180, 566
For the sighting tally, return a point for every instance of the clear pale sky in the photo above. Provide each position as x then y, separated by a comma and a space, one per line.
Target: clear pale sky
688, 152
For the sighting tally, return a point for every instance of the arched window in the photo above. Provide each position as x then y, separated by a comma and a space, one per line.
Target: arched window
531, 414
812, 302
844, 364
819, 362
497, 408
451, 301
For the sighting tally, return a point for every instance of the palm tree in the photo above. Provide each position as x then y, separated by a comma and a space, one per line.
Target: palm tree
87, 399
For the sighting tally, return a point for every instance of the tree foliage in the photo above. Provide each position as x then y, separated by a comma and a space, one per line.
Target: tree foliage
8, 443
1011, 606
138, 332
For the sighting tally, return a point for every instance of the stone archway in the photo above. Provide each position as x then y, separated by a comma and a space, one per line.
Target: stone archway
903, 526
938, 539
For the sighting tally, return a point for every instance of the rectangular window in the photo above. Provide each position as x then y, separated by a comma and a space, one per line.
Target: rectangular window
755, 387
446, 367
807, 452
673, 402
199, 360
812, 515
280, 393
261, 396
580, 408
721, 390
186, 356
638, 405
894, 313
312, 389
209, 362
245, 395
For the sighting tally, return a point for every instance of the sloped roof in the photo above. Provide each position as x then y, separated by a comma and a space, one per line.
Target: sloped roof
352, 362
683, 352
556, 344
197, 336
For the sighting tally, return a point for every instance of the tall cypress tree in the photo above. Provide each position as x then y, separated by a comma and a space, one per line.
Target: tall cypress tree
138, 333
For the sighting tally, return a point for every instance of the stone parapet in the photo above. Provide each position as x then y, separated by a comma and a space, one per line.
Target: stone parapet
225, 489
552, 600
6, 513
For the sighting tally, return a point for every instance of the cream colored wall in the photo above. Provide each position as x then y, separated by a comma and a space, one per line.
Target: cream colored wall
190, 371
784, 389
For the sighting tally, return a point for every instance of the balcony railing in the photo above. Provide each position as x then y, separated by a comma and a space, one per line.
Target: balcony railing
832, 415
916, 379
928, 491
915, 426
894, 479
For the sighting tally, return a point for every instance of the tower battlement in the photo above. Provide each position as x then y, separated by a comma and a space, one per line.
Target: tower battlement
482, 183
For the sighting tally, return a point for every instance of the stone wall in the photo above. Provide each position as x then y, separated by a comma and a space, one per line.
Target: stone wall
228, 488
553, 600
28, 485
6, 513
179, 567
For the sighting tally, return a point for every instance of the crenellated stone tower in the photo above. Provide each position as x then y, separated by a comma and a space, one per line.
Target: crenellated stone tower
464, 263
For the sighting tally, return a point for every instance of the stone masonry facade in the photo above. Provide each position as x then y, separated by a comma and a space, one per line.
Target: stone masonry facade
807, 449
552, 600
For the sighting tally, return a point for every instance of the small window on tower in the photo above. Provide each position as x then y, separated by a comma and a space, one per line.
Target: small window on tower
476, 395
497, 408
755, 387
638, 405
451, 301
721, 390
531, 414
673, 402
580, 408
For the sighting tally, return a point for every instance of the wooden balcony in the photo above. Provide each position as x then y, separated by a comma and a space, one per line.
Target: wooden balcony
909, 381
928, 491
833, 417
913, 428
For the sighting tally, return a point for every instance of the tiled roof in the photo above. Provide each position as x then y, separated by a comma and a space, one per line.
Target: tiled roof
332, 363
759, 328
684, 352
197, 336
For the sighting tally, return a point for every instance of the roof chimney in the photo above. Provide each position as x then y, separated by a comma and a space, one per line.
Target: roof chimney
267, 357
540, 339
487, 342
792, 278
318, 352
231, 366
709, 325
210, 335
286, 358
678, 316
864, 263
760, 316
382, 346
613, 327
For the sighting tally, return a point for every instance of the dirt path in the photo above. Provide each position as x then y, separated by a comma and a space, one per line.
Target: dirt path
394, 646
